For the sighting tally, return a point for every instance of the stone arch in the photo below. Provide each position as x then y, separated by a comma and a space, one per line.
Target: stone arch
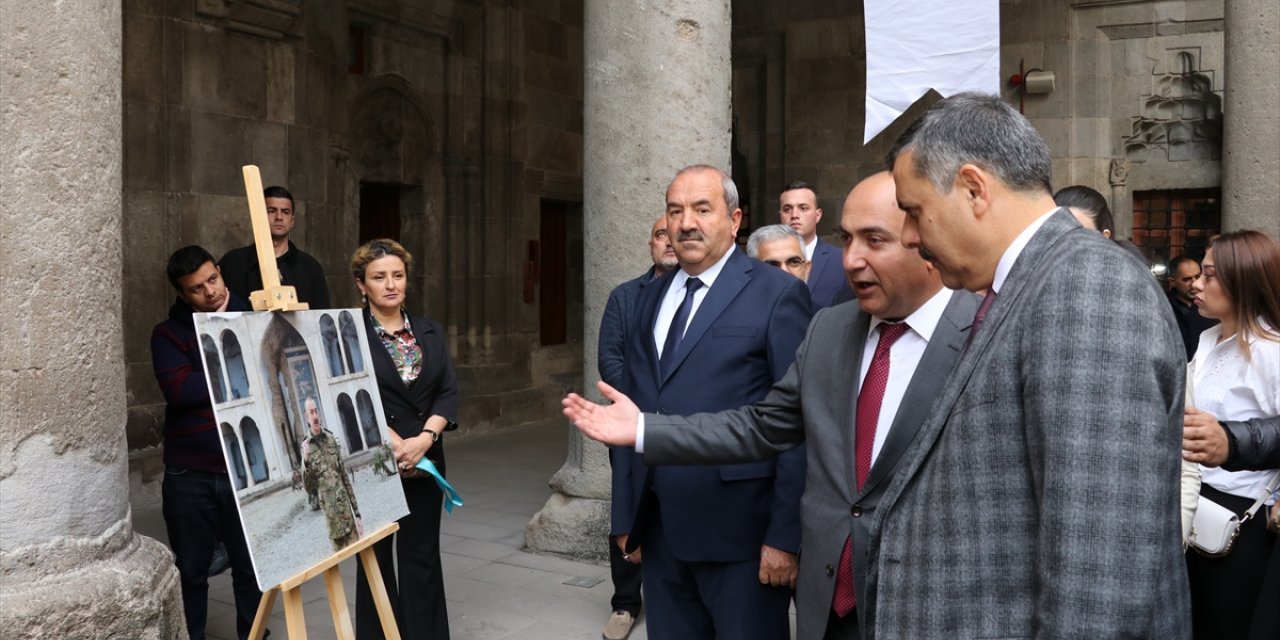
213, 368
255, 455
231, 443
350, 343
350, 427
368, 418
395, 142
332, 352
237, 377
288, 369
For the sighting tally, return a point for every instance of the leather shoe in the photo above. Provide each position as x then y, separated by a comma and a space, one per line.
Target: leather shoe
619, 626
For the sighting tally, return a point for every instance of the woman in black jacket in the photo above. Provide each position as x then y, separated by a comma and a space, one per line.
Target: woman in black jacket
420, 400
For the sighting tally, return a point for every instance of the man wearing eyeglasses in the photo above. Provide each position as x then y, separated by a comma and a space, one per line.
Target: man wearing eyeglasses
778, 245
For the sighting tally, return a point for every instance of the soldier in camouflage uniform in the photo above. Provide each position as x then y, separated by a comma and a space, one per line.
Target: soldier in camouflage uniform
323, 469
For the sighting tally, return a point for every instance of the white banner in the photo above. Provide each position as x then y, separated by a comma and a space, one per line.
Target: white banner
916, 45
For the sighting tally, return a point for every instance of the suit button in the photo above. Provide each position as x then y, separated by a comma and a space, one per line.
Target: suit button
391, 419
856, 511
831, 571
422, 415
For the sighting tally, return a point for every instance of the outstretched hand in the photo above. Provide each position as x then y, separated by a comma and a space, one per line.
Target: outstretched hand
613, 424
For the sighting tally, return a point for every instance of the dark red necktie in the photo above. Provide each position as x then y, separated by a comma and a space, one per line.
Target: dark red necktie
870, 398
980, 316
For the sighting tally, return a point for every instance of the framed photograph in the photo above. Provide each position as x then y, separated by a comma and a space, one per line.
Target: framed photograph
302, 431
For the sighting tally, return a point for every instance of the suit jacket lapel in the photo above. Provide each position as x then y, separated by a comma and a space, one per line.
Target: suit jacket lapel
1022, 274
856, 337
818, 264
929, 377
733, 277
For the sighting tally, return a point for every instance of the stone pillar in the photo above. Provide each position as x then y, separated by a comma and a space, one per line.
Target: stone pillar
656, 98
70, 562
1121, 204
1251, 112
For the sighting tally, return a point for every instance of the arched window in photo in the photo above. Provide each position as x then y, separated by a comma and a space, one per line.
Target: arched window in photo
232, 444
368, 419
236, 374
253, 450
350, 428
350, 342
332, 352
214, 368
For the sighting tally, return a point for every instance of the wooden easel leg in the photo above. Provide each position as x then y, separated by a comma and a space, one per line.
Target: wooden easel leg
338, 604
295, 621
264, 613
371, 571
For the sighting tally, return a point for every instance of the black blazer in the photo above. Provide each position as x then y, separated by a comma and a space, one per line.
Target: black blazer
433, 392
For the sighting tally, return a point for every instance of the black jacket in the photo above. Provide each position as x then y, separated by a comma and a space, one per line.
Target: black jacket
1254, 445
433, 392
297, 269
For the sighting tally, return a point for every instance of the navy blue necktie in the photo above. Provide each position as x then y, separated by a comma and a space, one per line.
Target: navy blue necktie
675, 334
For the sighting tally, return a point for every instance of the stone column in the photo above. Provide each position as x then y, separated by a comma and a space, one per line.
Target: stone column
70, 562
1121, 204
1251, 112
656, 98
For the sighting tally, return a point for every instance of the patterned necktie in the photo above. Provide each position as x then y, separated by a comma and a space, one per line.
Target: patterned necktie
980, 316
870, 397
675, 334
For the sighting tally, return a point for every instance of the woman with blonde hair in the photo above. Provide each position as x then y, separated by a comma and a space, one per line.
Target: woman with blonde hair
420, 400
1236, 374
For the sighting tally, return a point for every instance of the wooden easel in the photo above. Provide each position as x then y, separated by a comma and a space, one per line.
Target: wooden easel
292, 589
275, 297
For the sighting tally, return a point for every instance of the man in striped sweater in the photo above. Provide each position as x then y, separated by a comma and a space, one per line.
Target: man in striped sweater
199, 499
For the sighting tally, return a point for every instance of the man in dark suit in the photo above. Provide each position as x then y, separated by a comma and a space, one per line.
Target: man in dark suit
1183, 271
719, 543
798, 209
826, 400
297, 268
1041, 497
616, 326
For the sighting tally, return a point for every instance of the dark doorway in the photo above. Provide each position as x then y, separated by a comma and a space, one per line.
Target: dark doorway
560, 272
379, 211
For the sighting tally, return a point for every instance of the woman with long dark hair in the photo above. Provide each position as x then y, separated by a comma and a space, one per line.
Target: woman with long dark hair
1236, 376
420, 400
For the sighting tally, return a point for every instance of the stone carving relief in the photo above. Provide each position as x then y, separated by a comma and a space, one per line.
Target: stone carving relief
1181, 119
273, 19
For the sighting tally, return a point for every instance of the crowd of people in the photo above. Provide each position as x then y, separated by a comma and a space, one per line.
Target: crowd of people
419, 394
1011, 431
979, 417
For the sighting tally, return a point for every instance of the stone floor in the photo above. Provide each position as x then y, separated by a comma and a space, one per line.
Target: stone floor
494, 588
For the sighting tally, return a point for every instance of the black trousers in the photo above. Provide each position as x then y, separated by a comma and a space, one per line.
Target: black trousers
199, 509
626, 581
1227, 592
417, 597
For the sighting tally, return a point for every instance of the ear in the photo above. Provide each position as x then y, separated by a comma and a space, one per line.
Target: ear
976, 188
1106, 233
819, 213
736, 220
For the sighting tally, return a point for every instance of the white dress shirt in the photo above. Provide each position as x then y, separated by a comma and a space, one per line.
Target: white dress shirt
674, 297
809, 247
671, 301
1230, 386
1010, 255
904, 357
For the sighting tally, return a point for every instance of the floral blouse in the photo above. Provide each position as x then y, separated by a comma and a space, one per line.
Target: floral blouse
403, 347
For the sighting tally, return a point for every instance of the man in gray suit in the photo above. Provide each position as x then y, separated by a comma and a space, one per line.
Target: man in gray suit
1040, 498
826, 398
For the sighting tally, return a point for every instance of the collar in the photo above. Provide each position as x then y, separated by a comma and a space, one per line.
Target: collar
926, 317
380, 331
810, 247
707, 277
1015, 249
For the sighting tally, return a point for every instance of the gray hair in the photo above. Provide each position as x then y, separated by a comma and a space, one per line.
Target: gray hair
726, 184
978, 129
769, 234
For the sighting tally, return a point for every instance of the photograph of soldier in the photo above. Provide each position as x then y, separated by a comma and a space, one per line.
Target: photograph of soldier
324, 473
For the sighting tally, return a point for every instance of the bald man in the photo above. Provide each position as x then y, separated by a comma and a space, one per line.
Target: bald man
899, 342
